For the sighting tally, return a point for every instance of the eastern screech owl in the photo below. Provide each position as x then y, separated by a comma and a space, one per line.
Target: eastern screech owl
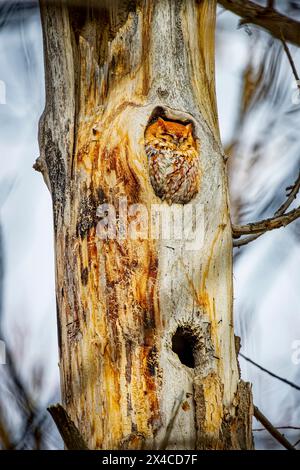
173, 161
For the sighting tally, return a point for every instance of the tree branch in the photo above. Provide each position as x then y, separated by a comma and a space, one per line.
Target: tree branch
288, 382
67, 429
267, 18
293, 191
246, 240
294, 428
297, 442
266, 224
251, 10
272, 430
170, 426
290, 59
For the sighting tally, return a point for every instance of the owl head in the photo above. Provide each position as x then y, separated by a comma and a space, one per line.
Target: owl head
171, 135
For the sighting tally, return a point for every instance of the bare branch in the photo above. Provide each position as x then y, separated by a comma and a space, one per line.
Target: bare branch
246, 240
288, 382
266, 224
272, 430
297, 442
290, 59
279, 427
267, 18
67, 429
18, 384
293, 191
170, 426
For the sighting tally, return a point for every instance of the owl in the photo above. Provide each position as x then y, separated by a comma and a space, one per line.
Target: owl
173, 160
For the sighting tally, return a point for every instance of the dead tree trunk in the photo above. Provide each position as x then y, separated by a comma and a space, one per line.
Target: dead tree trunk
147, 348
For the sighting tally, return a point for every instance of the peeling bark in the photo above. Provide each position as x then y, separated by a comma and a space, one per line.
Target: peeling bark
143, 322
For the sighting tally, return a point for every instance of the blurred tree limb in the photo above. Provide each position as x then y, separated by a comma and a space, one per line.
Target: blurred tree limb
67, 429
28, 412
272, 430
5, 437
290, 59
294, 428
287, 382
280, 219
265, 17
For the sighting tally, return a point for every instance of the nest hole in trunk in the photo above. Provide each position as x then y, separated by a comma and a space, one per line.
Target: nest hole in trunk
184, 344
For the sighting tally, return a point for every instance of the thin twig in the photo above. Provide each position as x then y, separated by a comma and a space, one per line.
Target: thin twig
20, 387
272, 430
288, 382
290, 58
30, 426
293, 191
171, 423
246, 240
278, 427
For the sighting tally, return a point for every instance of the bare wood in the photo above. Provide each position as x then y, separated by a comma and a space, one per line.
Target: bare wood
269, 19
40, 165
272, 430
121, 301
67, 429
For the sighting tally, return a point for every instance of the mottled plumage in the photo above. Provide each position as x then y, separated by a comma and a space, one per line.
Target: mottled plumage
173, 161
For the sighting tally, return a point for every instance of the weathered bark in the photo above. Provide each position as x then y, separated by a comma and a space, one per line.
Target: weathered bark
143, 324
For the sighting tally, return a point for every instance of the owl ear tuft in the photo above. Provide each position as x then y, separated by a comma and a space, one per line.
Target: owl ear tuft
189, 128
161, 122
